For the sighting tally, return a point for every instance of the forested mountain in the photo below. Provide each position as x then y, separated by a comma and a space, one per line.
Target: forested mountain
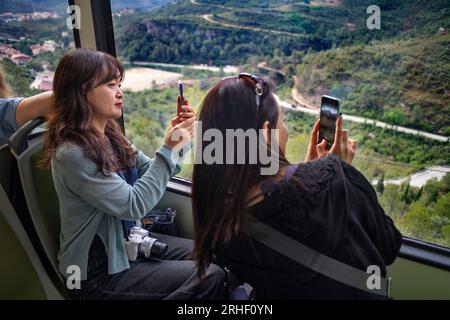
27, 6
399, 73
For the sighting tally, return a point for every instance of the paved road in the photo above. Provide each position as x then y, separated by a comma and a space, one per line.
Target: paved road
312, 109
226, 69
298, 98
420, 178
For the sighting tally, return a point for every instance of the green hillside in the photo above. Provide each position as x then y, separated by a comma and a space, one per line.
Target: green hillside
398, 74
405, 82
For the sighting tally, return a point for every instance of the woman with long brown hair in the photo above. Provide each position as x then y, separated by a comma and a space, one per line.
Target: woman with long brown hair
103, 183
324, 203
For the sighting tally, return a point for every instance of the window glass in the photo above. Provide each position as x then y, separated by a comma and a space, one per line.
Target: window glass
387, 62
34, 35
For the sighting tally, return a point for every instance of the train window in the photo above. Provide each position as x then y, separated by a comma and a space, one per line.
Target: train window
29, 54
388, 64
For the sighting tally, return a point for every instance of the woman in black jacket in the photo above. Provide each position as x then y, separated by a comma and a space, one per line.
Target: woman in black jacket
324, 203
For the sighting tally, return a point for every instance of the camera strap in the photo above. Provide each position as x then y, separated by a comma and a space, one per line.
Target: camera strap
315, 260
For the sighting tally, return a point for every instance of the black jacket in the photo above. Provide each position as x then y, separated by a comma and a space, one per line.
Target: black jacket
329, 206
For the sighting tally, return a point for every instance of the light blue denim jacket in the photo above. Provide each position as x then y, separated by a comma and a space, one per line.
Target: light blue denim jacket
92, 203
8, 124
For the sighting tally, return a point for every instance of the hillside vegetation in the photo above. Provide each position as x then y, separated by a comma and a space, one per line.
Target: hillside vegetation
403, 82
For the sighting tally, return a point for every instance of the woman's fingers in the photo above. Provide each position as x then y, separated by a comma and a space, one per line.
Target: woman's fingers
312, 148
344, 137
338, 134
185, 115
187, 108
315, 132
174, 121
336, 148
321, 148
186, 122
184, 107
352, 150
352, 144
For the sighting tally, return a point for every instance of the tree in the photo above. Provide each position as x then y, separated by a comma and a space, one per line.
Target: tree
430, 191
417, 114
419, 194
442, 207
446, 234
405, 187
418, 221
444, 184
380, 184
391, 203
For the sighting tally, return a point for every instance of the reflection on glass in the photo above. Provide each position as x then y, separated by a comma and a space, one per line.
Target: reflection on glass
33, 38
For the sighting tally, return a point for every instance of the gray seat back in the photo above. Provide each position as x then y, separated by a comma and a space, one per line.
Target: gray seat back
41, 199
22, 275
38, 188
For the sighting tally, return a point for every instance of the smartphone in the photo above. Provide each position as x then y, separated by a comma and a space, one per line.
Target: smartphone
181, 89
329, 112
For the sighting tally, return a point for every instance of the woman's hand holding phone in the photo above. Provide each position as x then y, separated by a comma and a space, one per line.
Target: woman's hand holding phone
183, 112
343, 147
181, 126
315, 150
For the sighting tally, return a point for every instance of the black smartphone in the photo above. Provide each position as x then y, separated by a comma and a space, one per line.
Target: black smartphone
181, 89
329, 112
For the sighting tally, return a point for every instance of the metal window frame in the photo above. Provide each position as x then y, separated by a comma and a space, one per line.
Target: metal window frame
96, 15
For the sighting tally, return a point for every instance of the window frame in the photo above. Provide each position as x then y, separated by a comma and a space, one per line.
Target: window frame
101, 17
418, 250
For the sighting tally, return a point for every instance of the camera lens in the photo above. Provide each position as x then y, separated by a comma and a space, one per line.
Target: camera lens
159, 250
150, 247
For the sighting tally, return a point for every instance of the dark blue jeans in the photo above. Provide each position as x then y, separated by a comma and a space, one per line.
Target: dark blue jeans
175, 277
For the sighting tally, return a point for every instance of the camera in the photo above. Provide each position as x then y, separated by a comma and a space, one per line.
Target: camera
140, 243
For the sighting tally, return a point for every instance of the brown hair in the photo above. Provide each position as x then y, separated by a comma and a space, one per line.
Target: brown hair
219, 190
5, 90
71, 117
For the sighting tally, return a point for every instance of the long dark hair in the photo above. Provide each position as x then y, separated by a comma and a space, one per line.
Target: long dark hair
71, 116
219, 190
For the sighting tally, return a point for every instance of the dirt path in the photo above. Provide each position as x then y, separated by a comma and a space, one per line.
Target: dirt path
298, 98
208, 17
138, 79
263, 65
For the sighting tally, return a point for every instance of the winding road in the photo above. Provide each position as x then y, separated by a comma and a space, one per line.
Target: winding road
419, 179
302, 101
208, 17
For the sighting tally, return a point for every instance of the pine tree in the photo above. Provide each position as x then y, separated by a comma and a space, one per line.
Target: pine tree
380, 184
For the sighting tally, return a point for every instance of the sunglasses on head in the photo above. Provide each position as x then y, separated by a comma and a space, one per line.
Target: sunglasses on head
259, 84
